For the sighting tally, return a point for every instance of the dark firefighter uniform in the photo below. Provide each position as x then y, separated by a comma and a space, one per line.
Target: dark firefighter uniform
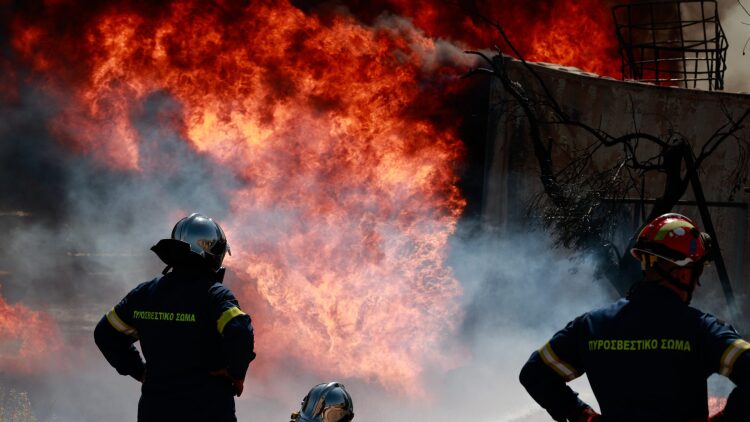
189, 325
647, 359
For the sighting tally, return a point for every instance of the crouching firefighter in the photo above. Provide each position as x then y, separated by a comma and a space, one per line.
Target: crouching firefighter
648, 356
196, 340
327, 402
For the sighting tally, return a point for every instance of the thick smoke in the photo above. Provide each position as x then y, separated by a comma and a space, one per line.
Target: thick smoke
77, 236
87, 223
518, 292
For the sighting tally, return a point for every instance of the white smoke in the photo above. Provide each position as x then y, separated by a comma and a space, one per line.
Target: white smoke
518, 292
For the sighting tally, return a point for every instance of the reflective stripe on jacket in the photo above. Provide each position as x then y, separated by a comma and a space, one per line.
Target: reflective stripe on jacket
646, 358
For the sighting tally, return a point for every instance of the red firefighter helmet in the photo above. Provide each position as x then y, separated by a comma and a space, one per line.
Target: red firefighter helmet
674, 238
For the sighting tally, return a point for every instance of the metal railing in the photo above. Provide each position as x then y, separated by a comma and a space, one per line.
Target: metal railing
672, 43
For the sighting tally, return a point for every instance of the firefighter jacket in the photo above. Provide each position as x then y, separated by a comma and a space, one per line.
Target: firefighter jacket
647, 358
189, 324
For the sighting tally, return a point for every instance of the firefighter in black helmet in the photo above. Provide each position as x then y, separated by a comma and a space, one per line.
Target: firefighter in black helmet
196, 340
327, 402
647, 357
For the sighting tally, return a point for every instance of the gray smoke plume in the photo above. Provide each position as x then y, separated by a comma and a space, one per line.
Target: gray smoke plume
83, 222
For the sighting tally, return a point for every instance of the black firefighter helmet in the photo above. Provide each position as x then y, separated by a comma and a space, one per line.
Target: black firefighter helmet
196, 241
328, 402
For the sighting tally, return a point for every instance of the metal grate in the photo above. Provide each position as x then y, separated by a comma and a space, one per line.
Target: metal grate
673, 43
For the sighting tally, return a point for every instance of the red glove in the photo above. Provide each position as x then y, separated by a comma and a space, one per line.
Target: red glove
585, 414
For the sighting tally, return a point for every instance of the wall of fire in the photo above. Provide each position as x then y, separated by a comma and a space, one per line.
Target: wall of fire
512, 171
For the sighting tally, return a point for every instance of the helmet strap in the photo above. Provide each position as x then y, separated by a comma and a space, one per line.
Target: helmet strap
648, 261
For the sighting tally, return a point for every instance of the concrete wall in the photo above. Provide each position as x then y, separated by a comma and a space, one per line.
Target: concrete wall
512, 171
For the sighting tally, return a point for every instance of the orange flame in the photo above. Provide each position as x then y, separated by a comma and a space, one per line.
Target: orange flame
577, 33
580, 34
28, 339
348, 202
348, 193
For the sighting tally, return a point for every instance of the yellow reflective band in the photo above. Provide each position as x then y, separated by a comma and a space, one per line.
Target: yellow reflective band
562, 368
119, 325
731, 354
227, 316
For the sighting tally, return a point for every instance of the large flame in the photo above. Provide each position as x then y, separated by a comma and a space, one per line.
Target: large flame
348, 191
578, 33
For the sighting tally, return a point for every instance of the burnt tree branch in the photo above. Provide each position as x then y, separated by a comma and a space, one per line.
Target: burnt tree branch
580, 206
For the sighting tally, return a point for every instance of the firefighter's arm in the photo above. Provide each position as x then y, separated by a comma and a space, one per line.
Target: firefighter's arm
115, 339
238, 344
236, 330
738, 403
728, 355
548, 370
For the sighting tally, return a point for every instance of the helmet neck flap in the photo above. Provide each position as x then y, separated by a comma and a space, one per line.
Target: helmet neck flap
681, 283
177, 254
197, 244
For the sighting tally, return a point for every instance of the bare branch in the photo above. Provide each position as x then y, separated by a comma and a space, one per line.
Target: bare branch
579, 202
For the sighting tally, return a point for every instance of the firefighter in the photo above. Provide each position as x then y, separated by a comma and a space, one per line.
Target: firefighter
327, 402
647, 357
196, 340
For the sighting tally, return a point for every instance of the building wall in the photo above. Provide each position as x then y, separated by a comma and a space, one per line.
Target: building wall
512, 171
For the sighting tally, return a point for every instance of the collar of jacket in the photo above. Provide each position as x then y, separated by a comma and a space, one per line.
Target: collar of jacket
201, 273
651, 292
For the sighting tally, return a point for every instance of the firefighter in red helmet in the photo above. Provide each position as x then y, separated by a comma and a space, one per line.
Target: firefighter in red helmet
647, 357
671, 249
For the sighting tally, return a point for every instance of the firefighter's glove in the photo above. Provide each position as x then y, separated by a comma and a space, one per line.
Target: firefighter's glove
585, 414
237, 385
719, 417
